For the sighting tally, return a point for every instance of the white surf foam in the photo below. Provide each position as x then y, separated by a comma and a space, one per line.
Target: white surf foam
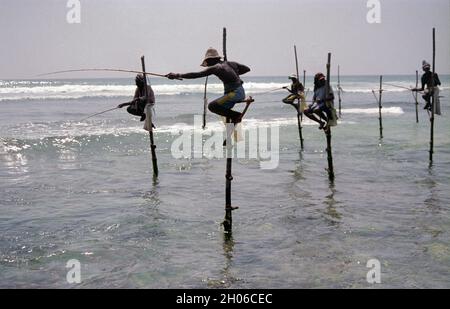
368, 111
45, 90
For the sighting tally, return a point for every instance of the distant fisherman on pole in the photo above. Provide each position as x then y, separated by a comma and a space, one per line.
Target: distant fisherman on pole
137, 107
228, 72
296, 91
427, 81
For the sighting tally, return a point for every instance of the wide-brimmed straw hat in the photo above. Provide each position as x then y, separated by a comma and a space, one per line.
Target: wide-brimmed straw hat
211, 53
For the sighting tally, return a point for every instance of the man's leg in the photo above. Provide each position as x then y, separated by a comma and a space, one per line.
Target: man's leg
311, 115
221, 110
291, 100
323, 118
427, 98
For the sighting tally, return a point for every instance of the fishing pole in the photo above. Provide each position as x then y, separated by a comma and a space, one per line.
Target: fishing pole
103, 70
398, 86
273, 90
106, 111
393, 85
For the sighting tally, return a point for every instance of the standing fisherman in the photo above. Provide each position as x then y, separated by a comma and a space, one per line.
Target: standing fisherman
296, 91
427, 81
228, 72
137, 106
321, 110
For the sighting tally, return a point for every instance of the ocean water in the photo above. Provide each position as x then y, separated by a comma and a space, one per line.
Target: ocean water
83, 190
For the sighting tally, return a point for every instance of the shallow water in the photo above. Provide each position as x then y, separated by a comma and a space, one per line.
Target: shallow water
84, 190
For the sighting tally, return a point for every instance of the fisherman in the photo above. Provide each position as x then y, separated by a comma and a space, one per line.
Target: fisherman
427, 81
319, 111
137, 107
296, 91
228, 72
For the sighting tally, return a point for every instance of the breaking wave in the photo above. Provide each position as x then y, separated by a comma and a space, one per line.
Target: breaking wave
63, 90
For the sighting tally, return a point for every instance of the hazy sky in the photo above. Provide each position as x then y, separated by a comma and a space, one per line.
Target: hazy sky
174, 35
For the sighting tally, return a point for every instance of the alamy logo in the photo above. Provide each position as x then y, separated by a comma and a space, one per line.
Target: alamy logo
74, 14
374, 14
374, 274
262, 143
74, 273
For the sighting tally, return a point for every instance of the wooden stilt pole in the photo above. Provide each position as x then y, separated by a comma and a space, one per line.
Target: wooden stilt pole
328, 130
416, 97
304, 78
299, 113
228, 222
433, 102
205, 104
339, 91
380, 106
150, 124
225, 44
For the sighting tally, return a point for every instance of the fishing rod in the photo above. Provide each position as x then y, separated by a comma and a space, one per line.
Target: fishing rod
103, 70
273, 90
398, 86
402, 87
106, 111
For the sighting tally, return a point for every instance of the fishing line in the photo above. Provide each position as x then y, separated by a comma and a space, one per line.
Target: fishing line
397, 86
99, 113
108, 110
270, 91
103, 70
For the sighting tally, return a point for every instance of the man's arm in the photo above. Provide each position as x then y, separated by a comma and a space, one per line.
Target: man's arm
242, 69
423, 80
330, 95
136, 94
423, 85
193, 75
438, 81
151, 95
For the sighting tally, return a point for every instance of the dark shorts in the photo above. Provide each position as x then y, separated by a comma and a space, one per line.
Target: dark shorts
228, 100
290, 99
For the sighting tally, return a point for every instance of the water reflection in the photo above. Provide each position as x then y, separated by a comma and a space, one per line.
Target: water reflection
227, 278
333, 217
68, 160
152, 196
432, 202
228, 252
13, 158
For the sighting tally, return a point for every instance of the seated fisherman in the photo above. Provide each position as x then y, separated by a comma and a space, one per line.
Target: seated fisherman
296, 90
319, 111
